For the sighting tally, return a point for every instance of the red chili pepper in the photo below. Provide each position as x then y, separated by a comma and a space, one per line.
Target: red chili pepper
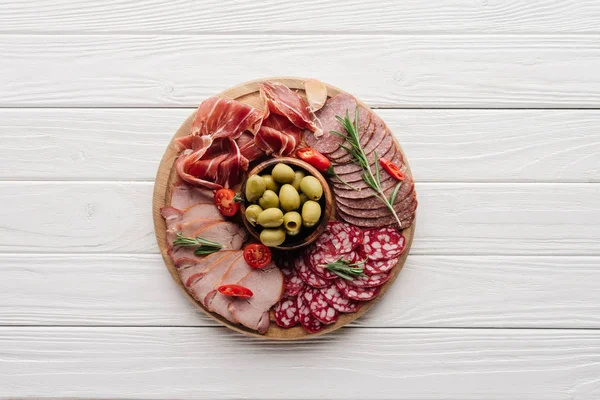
314, 158
235, 291
392, 169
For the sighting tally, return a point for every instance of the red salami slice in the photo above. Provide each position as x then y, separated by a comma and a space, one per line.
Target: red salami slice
357, 293
370, 280
379, 267
309, 276
337, 300
319, 307
383, 243
305, 317
292, 282
286, 312
339, 238
317, 259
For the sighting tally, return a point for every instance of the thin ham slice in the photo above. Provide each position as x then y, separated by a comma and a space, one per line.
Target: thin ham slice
189, 270
205, 281
281, 100
219, 303
278, 136
228, 234
184, 196
200, 210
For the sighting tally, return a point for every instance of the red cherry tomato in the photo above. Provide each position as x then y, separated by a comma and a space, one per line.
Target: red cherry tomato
235, 291
257, 255
227, 202
392, 169
314, 158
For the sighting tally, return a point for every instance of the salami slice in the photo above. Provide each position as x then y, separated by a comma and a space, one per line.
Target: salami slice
383, 243
317, 259
339, 238
319, 307
308, 275
379, 267
305, 317
370, 280
357, 293
292, 282
337, 300
286, 312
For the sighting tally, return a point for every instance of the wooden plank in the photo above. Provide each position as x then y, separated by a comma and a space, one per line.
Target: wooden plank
453, 218
471, 71
413, 16
431, 291
442, 145
189, 363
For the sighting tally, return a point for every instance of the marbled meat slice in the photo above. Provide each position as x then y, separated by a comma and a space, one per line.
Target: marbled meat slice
372, 267
317, 259
184, 196
357, 293
278, 136
319, 307
338, 300
370, 280
293, 283
218, 117
307, 320
339, 238
337, 105
286, 312
281, 100
383, 243
308, 275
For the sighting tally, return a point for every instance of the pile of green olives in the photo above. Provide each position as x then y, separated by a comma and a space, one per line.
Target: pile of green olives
283, 203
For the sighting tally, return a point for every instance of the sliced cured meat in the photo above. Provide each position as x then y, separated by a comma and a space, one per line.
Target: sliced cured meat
219, 303
199, 284
337, 105
339, 238
348, 193
365, 131
189, 269
353, 168
318, 259
370, 280
406, 189
184, 196
286, 312
228, 234
319, 307
283, 101
278, 136
293, 283
206, 211
406, 216
338, 300
220, 118
357, 293
251, 151
379, 210
267, 287
308, 275
379, 267
383, 243
183, 254
308, 321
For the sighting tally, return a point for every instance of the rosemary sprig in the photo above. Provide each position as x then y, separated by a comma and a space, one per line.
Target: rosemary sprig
359, 157
203, 246
344, 269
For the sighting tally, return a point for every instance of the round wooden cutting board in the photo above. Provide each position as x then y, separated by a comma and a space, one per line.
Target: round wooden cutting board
166, 177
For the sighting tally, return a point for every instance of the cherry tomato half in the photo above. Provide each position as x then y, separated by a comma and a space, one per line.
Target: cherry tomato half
227, 202
235, 291
314, 158
257, 255
392, 169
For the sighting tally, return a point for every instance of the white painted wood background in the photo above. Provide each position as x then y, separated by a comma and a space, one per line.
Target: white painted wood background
496, 103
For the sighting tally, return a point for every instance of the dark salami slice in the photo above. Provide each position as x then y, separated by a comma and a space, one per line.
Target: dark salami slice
337, 300
370, 280
308, 275
286, 312
406, 217
383, 243
305, 317
317, 259
357, 293
339, 238
379, 267
319, 307
353, 167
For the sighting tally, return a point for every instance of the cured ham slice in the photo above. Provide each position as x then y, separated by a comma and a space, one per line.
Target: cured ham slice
184, 196
219, 303
189, 270
281, 100
278, 136
228, 234
200, 210
205, 281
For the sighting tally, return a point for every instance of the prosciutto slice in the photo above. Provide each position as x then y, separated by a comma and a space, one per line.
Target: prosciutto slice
280, 99
278, 136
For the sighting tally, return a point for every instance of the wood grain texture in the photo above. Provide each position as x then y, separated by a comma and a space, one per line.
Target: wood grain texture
431, 292
472, 71
455, 218
442, 145
189, 363
411, 16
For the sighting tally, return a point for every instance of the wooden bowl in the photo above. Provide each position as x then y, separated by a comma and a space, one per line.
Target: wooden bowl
326, 201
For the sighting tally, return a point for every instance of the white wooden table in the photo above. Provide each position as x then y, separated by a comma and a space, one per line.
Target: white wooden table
496, 103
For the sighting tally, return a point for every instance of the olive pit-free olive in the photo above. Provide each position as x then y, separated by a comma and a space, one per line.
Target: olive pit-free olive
311, 213
270, 183
270, 218
292, 221
311, 187
283, 173
269, 199
255, 187
272, 237
289, 199
252, 212
298, 175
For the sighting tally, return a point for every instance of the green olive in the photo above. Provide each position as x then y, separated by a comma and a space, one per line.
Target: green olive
271, 184
270, 218
294, 233
255, 187
311, 187
289, 199
303, 199
269, 199
252, 213
292, 222
283, 173
298, 175
272, 237
311, 213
